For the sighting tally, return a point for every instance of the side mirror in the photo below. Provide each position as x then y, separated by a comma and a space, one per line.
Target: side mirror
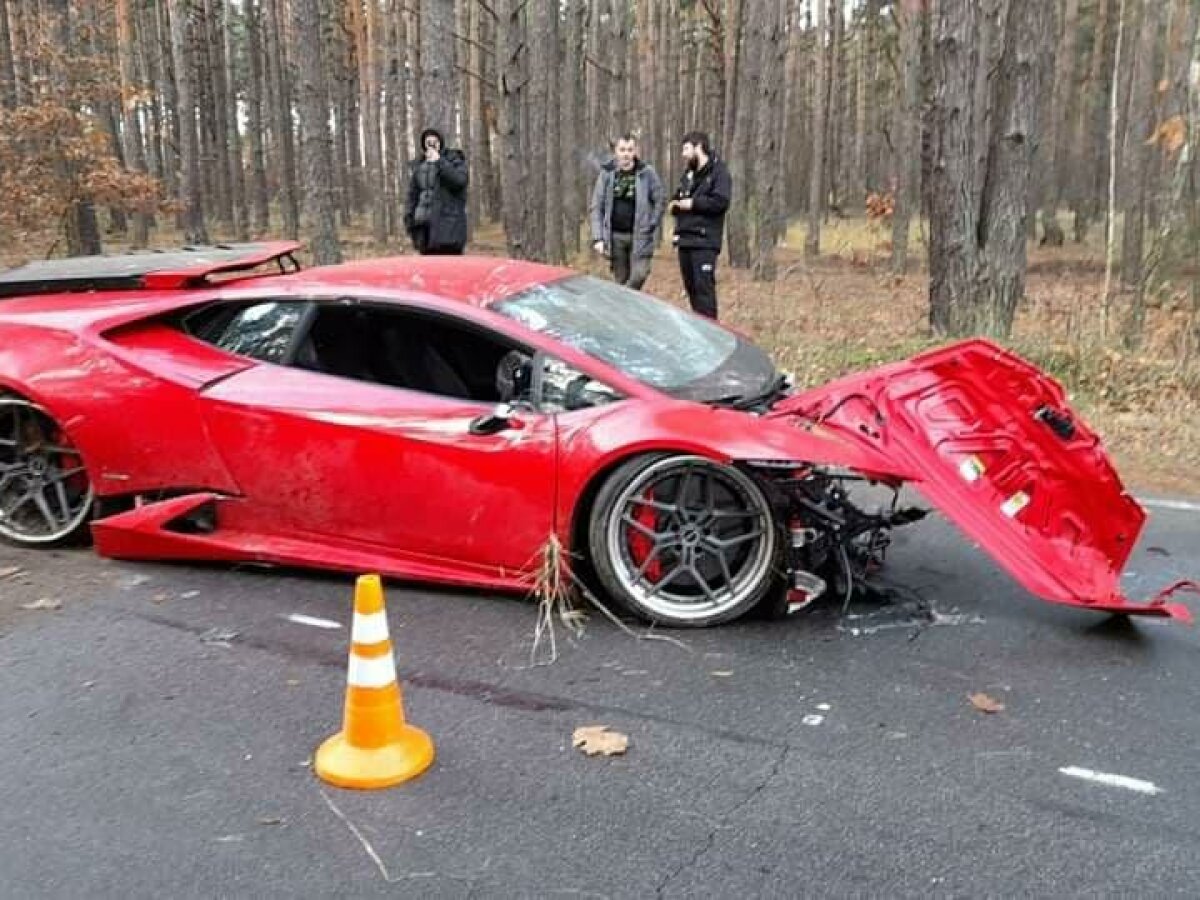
500, 418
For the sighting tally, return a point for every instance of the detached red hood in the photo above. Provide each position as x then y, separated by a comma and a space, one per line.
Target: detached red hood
1001, 454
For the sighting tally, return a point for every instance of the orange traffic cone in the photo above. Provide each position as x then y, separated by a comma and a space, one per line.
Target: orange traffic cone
376, 748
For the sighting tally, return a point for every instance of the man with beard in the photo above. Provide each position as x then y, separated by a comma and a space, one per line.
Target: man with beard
626, 213
699, 209
435, 214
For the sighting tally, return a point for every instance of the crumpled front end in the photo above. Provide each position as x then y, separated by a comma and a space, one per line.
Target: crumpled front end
998, 450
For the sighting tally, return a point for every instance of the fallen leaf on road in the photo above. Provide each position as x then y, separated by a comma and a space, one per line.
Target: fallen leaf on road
43, 603
984, 703
9, 570
292, 682
813, 719
1159, 551
722, 673
271, 820
159, 598
594, 739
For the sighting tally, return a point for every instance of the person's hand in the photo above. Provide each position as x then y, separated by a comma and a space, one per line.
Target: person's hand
685, 204
598, 246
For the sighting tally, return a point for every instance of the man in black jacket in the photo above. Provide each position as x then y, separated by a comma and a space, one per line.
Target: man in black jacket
699, 209
435, 214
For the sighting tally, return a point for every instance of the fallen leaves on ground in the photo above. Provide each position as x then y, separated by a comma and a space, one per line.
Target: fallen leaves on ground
597, 739
43, 603
986, 704
8, 571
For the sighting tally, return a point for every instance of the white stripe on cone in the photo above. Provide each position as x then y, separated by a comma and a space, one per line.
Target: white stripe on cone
371, 672
371, 628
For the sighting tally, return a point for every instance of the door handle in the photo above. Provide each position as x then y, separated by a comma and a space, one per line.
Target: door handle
501, 417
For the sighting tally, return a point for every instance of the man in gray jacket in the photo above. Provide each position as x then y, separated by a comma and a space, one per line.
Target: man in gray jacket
627, 207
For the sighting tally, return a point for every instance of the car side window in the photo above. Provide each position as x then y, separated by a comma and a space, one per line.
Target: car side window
263, 331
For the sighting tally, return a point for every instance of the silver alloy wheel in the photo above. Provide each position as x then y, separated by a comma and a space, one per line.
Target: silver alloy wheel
689, 539
45, 493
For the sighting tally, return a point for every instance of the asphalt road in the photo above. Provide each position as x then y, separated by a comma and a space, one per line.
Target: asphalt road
157, 729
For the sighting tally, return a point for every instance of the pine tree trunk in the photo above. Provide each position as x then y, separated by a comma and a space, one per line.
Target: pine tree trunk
743, 152
816, 174
574, 101
194, 230
510, 52
1056, 151
1137, 170
214, 102
398, 103
953, 255
368, 79
281, 81
316, 145
166, 121
834, 108
977, 252
1005, 211
255, 53
731, 56
131, 134
768, 182
233, 134
907, 155
439, 80
1137, 157
1089, 147
552, 174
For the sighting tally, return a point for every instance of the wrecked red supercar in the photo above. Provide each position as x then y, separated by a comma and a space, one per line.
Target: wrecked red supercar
456, 420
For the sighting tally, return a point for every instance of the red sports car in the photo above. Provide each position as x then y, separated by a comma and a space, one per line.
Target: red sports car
443, 419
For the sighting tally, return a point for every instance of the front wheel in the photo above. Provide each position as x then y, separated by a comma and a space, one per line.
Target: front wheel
683, 540
45, 495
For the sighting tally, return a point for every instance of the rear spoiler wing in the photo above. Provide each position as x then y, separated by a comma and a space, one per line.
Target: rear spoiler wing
187, 267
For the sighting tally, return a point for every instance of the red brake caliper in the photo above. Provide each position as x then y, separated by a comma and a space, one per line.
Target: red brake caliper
640, 546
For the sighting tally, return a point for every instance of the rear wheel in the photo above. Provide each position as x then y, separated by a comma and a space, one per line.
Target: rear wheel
46, 496
683, 540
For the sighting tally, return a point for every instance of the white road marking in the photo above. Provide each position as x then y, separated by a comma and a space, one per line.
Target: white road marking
1179, 505
300, 619
1106, 778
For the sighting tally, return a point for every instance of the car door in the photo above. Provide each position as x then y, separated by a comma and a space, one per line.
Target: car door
351, 462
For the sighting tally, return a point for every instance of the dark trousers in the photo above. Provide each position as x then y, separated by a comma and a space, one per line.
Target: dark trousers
420, 239
625, 269
698, 265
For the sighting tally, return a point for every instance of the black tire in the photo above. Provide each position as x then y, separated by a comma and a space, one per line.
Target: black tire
715, 534
35, 451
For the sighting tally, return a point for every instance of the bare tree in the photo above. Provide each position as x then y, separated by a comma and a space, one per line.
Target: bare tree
194, 230
316, 145
438, 78
255, 122
135, 157
907, 150
816, 170
977, 248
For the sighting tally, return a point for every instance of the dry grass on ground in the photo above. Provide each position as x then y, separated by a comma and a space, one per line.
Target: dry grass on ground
847, 312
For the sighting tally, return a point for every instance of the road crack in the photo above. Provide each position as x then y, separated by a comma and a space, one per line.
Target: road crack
711, 839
